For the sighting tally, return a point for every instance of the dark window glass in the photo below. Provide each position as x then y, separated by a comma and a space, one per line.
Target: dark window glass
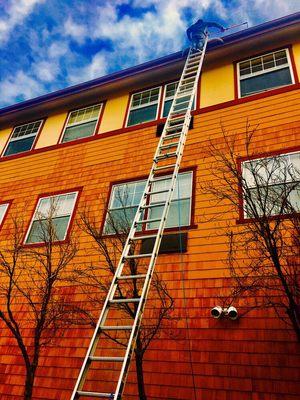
167, 107
79, 131
39, 229
265, 81
140, 115
19, 146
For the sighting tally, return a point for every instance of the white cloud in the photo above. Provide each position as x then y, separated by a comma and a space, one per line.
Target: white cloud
157, 31
58, 49
16, 12
76, 31
20, 86
96, 68
46, 71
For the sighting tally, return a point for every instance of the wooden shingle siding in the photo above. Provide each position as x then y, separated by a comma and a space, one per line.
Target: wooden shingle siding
253, 358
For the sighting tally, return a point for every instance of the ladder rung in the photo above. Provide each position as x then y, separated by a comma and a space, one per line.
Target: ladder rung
169, 146
160, 178
148, 221
167, 155
96, 394
117, 301
179, 118
116, 328
188, 79
190, 74
195, 55
94, 358
125, 277
174, 135
133, 256
181, 103
180, 111
174, 128
186, 91
154, 205
157, 192
193, 68
169, 166
192, 61
144, 237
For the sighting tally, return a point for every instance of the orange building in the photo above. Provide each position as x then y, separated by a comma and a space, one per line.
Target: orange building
87, 142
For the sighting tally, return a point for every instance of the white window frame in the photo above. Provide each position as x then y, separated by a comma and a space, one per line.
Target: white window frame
81, 123
191, 172
5, 206
37, 207
12, 139
253, 74
274, 184
130, 108
169, 98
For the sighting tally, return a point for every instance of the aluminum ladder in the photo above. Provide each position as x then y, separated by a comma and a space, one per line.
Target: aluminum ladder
167, 160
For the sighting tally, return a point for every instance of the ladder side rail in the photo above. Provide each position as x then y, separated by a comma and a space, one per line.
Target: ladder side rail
150, 271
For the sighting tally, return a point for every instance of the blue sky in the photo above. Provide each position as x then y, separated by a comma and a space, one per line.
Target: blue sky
47, 45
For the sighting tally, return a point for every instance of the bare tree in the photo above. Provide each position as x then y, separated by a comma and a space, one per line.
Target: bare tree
32, 277
264, 250
109, 247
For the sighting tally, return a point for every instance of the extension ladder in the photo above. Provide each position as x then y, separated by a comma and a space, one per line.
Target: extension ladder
167, 159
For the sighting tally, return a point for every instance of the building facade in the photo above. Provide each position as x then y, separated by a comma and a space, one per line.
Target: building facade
83, 145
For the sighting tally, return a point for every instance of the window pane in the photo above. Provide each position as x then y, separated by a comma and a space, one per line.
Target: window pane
3, 208
79, 131
273, 185
167, 106
142, 115
55, 206
40, 230
179, 214
118, 221
256, 64
265, 81
127, 194
19, 146
85, 114
294, 198
171, 89
28, 129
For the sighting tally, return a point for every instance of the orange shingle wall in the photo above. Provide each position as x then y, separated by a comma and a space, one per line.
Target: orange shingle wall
253, 358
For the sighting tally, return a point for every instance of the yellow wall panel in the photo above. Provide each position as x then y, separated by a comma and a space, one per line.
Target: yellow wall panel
51, 130
4, 135
296, 52
217, 85
114, 113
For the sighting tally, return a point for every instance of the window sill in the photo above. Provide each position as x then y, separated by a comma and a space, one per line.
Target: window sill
153, 231
42, 244
243, 220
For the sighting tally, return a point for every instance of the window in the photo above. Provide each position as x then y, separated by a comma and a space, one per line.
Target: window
22, 138
144, 106
272, 185
266, 72
81, 123
55, 210
170, 90
126, 197
3, 210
